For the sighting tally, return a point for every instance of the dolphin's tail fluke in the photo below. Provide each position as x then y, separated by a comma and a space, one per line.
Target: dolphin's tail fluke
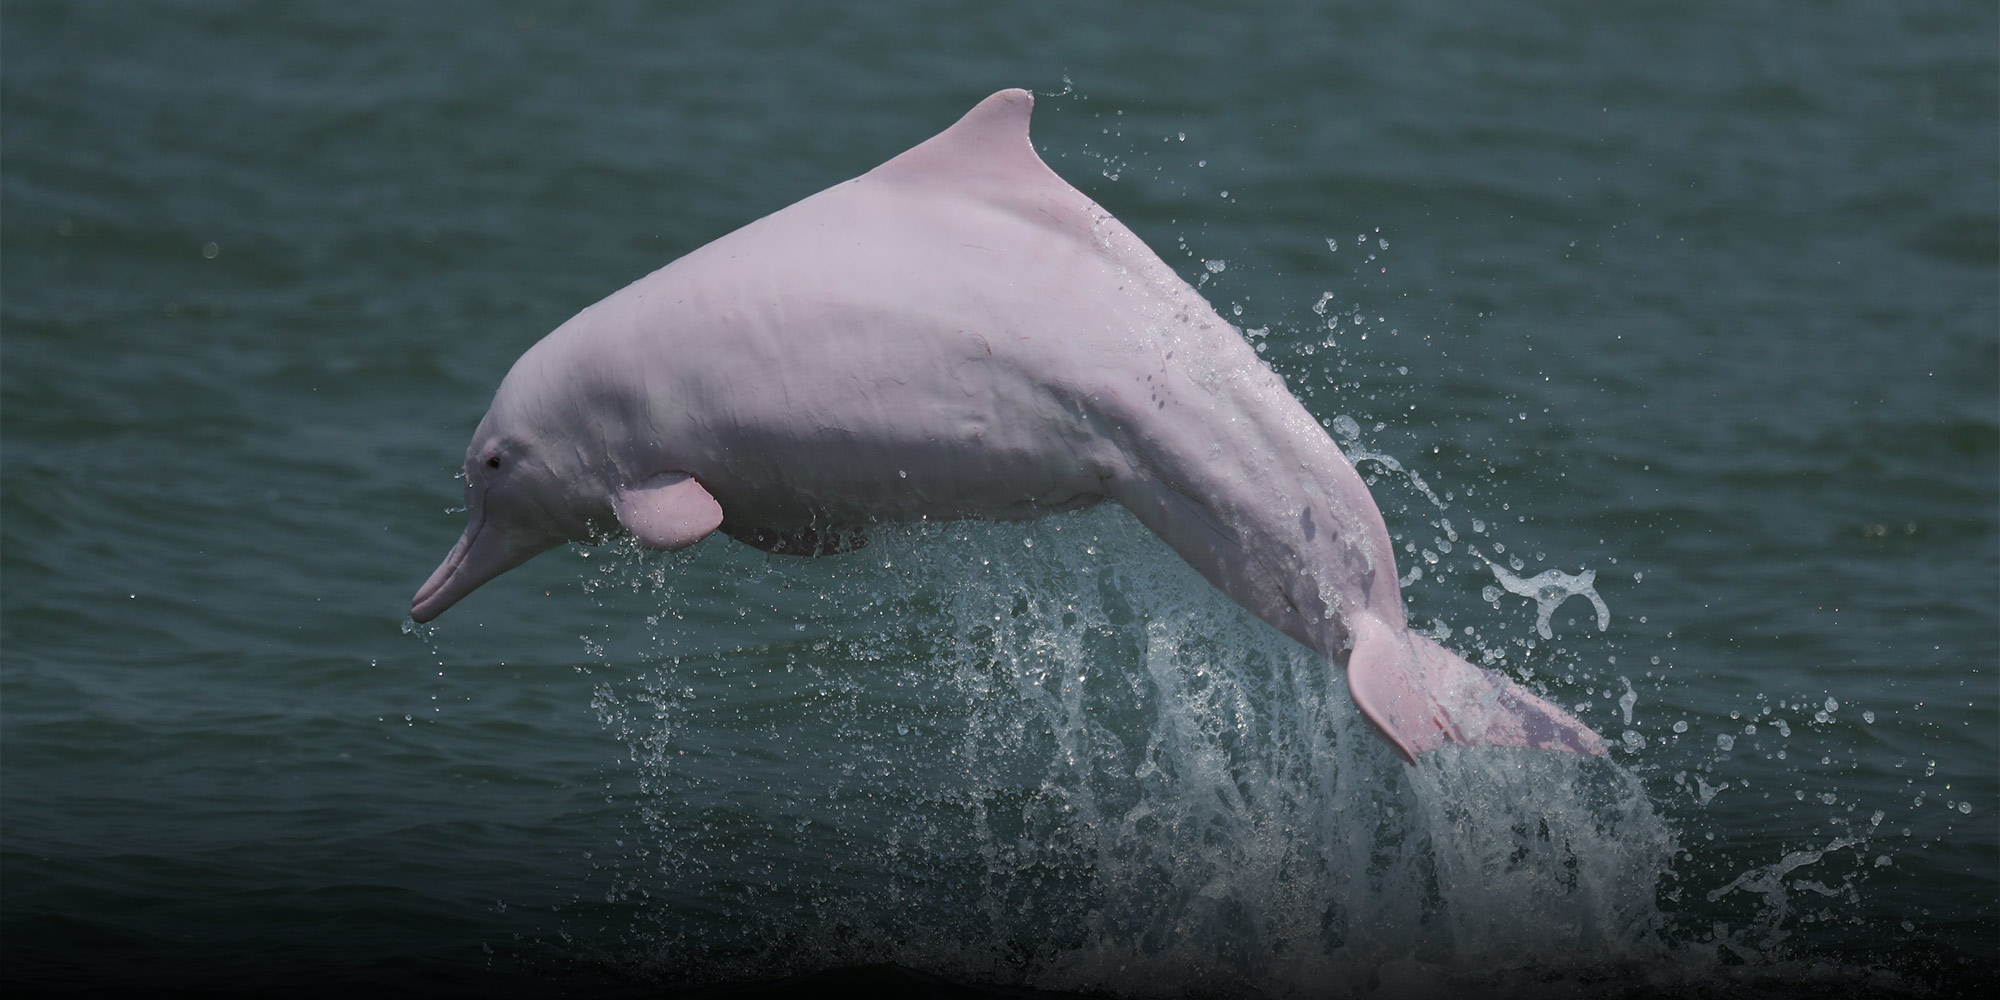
1419, 694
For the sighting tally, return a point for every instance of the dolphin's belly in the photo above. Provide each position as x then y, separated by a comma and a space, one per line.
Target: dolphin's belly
847, 476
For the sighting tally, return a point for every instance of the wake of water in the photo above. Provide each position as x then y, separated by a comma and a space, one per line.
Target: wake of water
1082, 768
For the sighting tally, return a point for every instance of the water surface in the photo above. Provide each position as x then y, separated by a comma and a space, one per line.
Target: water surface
1699, 299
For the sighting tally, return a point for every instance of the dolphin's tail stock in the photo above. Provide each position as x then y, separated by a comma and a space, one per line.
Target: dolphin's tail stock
1419, 694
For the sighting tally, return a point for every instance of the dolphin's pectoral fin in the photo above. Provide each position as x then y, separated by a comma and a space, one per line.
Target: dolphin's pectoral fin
797, 541
1418, 694
669, 511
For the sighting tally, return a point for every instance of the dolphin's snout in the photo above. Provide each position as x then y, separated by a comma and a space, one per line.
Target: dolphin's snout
432, 598
486, 550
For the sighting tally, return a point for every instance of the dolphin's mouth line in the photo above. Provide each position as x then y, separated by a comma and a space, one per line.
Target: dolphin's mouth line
446, 570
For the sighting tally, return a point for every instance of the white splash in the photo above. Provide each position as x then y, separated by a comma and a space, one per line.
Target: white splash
1347, 433
1077, 766
1549, 589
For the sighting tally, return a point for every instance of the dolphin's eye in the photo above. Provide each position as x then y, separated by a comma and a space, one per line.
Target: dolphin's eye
493, 462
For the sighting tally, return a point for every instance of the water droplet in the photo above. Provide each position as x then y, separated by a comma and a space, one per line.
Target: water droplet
1706, 790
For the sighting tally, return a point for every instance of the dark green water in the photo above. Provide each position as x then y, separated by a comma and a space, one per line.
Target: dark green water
1701, 298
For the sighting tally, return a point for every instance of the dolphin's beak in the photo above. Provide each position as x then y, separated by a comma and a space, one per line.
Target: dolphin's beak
433, 597
479, 556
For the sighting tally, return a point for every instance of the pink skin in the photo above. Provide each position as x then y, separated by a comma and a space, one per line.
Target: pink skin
959, 333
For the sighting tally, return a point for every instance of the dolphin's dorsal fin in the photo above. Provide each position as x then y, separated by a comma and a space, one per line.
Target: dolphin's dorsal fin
669, 511
988, 146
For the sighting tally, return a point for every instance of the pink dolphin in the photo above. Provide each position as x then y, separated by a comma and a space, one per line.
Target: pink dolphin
959, 333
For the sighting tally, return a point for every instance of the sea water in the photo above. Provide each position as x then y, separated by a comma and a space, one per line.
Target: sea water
1666, 340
